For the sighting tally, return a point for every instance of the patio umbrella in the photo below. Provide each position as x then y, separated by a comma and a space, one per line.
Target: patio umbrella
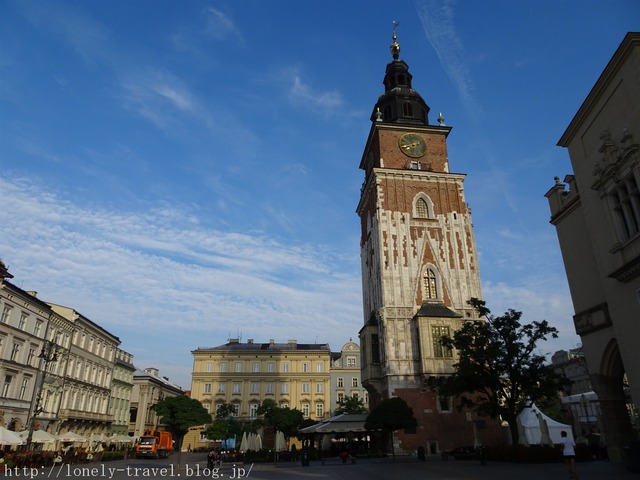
71, 437
39, 436
280, 441
7, 437
258, 442
243, 442
120, 439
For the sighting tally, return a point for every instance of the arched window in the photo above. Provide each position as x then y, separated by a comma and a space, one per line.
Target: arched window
423, 207
430, 284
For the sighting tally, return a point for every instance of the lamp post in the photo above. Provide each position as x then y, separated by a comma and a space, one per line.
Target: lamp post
49, 354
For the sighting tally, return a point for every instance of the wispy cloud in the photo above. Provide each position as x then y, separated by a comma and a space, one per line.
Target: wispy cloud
302, 93
437, 19
173, 272
220, 26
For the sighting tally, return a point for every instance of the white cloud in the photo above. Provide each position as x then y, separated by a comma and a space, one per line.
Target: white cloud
300, 92
221, 26
161, 270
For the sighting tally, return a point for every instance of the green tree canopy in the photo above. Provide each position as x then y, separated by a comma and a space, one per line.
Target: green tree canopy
179, 414
391, 415
498, 372
223, 428
351, 404
286, 420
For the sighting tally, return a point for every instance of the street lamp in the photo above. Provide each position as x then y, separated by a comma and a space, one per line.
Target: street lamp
49, 354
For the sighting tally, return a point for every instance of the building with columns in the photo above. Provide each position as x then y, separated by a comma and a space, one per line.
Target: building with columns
148, 389
419, 262
596, 213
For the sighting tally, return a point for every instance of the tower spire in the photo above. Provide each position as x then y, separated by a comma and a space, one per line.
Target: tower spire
395, 46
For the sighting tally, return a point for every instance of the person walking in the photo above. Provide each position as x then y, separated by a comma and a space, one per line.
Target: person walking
569, 454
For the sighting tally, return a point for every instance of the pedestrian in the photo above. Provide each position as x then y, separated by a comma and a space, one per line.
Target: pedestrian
569, 454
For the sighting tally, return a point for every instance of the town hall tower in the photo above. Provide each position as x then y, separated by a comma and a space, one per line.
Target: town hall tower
419, 261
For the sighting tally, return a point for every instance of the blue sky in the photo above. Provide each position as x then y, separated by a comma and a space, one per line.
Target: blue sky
184, 172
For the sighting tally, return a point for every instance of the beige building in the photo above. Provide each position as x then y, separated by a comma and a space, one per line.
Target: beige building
294, 375
121, 391
89, 370
148, 389
345, 376
596, 212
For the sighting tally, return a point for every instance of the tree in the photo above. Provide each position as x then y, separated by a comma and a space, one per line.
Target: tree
498, 372
391, 415
179, 414
351, 404
223, 428
286, 420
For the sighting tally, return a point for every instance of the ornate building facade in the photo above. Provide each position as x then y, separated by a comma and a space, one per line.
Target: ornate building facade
596, 212
419, 262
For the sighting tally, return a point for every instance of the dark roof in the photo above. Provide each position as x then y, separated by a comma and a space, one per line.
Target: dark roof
436, 310
271, 346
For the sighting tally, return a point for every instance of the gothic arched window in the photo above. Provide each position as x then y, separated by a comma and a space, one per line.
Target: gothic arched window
423, 207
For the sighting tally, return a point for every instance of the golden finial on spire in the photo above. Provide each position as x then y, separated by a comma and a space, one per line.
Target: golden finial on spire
395, 46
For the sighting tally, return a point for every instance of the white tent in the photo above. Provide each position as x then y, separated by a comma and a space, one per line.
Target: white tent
535, 425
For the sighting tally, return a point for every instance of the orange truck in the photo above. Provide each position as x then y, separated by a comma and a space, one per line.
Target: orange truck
154, 444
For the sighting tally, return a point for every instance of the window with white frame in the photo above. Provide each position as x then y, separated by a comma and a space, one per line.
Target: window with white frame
305, 410
319, 410
37, 328
319, 387
351, 361
238, 367
271, 367
209, 367
207, 388
253, 410
23, 320
354, 382
305, 388
285, 367
255, 388
284, 388
306, 368
269, 388
319, 367
236, 387
340, 396
235, 410
15, 351
223, 367
221, 387
340, 382
256, 367
23, 389
6, 312
6, 387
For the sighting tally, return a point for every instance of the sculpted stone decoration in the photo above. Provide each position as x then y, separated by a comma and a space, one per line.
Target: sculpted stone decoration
614, 156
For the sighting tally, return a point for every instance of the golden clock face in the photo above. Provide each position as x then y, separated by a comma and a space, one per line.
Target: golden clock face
413, 145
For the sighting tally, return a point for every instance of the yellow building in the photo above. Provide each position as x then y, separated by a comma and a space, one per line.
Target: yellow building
294, 375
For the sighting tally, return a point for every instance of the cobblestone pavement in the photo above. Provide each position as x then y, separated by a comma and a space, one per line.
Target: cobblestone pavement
193, 467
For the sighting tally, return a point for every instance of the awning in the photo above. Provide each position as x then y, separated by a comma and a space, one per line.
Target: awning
344, 423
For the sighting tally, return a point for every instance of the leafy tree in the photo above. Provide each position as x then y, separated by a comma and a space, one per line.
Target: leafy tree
223, 428
225, 410
351, 404
178, 414
286, 420
391, 415
498, 372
